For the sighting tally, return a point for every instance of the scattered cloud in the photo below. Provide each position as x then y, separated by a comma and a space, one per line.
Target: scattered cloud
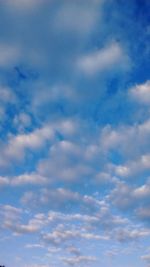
79, 260
105, 59
74, 133
141, 93
18, 144
32, 178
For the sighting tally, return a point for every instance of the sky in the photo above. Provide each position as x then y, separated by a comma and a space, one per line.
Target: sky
75, 133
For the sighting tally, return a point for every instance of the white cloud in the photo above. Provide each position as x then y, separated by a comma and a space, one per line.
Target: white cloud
104, 178
104, 59
21, 228
30, 246
141, 93
124, 235
143, 191
125, 138
24, 179
79, 260
32, 178
51, 198
132, 199
3, 181
11, 209
132, 167
18, 144
58, 237
70, 157
9, 214
12, 221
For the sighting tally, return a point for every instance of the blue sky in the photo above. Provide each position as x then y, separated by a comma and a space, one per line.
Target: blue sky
75, 128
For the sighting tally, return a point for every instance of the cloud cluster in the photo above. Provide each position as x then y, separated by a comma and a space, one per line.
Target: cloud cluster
74, 133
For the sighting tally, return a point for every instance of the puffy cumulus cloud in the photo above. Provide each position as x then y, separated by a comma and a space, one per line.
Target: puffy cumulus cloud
129, 234
131, 168
61, 231
103, 219
70, 233
51, 198
67, 229
9, 212
76, 217
125, 138
67, 127
141, 93
105, 59
122, 170
75, 157
52, 19
24, 179
105, 178
16, 145
133, 199
10, 215
143, 192
12, 218
62, 199
72, 160
95, 214
62, 236
22, 228
122, 196
32, 140
31, 178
